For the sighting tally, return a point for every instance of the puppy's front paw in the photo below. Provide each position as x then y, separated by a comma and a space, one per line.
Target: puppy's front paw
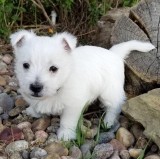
29, 111
66, 134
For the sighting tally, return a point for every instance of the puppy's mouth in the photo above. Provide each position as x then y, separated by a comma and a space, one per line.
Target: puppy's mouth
36, 95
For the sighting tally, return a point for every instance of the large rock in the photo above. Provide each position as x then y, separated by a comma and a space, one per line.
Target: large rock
145, 109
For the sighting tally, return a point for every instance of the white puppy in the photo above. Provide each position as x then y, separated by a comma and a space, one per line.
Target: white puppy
56, 77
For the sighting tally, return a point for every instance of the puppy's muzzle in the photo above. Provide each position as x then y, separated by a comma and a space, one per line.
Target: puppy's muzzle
36, 88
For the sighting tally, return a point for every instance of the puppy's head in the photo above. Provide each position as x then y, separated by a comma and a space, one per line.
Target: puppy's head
42, 64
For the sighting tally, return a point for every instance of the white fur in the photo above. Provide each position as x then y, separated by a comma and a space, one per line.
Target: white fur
85, 73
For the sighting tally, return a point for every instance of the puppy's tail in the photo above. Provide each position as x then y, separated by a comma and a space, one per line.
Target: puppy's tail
123, 49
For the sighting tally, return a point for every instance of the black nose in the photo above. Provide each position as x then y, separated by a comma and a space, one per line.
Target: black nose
36, 87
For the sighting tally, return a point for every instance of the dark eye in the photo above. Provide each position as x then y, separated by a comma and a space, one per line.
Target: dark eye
53, 69
26, 65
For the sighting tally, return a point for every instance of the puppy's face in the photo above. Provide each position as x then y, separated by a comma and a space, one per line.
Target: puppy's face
42, 64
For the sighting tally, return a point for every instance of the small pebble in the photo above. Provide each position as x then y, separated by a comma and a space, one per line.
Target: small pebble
2, 81
2, 127
135, 152
1, 89
75, 152
16, 111
124, 154
141, 143
11, 134
68, 157
16, 146
24, 124
25, 154
55, 121
105, 137
16, 155
6, 102
152, 157
40, 124
154, 148
86, 147
52, 129
52, 138
115, 155
28, 134
3, 157
20, 102
13, 84
91, 133
87, 123
7, 58
56, 148
117, 145
3, 67
38, 153
41, 136
125, 137
102, 151
53, 156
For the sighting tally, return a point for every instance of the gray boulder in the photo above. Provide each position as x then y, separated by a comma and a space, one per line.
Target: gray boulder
145, 109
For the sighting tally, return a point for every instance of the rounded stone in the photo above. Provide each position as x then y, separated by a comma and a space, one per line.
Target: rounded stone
141, 143
135, 153
7, 58
20, 102
75, 152
52, 138
41, 136
3, 81
16, 146
16, 111
152, 157
16, 155
115, 155
25, 154
24, 124
3, 67
11, 134
89, 133
53, 156
3, 157
105, 137
86, 147
117, 145
125, 137
56, 148
124, 154
102, 151
28, 134
38, 153
40, 124
6, 102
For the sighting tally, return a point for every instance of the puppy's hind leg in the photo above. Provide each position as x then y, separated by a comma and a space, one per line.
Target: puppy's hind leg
112, 104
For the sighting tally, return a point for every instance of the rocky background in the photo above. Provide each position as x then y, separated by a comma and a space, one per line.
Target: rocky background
137, 132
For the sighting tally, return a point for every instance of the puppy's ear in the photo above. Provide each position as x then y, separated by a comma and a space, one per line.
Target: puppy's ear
68, 41
18, 38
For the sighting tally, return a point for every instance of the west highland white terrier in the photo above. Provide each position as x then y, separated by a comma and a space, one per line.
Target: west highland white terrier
56, 77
